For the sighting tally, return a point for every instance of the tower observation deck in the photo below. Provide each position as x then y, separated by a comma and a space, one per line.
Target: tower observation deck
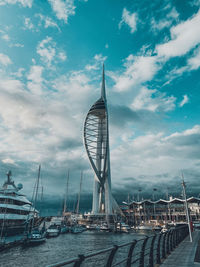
96, 141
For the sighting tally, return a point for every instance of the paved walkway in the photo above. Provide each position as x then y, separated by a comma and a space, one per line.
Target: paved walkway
184, 254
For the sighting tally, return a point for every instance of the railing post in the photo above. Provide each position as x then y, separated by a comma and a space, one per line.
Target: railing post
167, 247
130, 253
181, 233
141, 263
178, 236
174, 238
151, 252
158, 261
170, 241
79, 261
164, 246
111, 256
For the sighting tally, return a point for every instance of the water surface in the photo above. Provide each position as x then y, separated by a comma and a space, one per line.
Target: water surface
64, 247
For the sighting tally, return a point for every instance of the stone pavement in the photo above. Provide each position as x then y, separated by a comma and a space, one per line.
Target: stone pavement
184, 254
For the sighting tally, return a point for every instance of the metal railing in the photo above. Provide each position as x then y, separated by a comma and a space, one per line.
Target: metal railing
147, 251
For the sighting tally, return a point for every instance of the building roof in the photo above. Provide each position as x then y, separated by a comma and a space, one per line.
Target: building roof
163, 201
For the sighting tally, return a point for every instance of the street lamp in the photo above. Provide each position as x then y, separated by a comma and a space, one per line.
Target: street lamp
154, 207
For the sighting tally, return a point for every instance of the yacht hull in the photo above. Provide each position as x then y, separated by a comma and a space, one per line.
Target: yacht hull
12, 230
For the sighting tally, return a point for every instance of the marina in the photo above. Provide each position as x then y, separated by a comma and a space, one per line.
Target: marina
99, 133
137, 224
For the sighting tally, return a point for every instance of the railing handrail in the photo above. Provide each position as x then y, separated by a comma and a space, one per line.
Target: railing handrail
174, 237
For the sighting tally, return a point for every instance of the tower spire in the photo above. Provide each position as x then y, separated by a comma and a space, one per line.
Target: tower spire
103, 90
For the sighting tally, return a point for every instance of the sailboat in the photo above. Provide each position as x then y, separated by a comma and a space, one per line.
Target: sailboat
34, 235
64, 228
76, 228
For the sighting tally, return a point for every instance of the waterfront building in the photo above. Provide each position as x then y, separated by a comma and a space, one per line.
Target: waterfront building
96, 141
172, 210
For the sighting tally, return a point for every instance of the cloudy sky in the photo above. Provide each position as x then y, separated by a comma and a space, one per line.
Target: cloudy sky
51, 55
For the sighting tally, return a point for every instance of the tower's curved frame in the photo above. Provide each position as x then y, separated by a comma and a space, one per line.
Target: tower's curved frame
96, 140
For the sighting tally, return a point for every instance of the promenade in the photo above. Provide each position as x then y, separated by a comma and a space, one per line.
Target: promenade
185, 254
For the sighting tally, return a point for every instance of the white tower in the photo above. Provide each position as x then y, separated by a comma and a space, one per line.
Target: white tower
96, 140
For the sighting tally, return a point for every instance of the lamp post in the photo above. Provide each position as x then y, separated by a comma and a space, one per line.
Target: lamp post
154, 207
186, 208
139, 191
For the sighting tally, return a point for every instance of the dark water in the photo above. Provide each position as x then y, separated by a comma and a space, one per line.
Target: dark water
65, 247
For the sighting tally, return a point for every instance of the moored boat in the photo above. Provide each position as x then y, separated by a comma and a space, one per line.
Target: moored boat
33, 235
15, 208
123, 227
53, 230
76, 229
36, 237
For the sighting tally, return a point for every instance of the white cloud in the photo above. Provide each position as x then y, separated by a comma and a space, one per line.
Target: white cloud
49, 53
36, 127
28, 24
19, 73
184, 101
35, 79
195, 3
11, 85
48, 22
161, 24
4, 59
184, 37
99, 59
5, 37
62, 56
139, 69
165, 22
8, 161
24, 3
35, 74
194, 61
153, 101
157, 154
16, 45
46, 49
63, 9
129, 19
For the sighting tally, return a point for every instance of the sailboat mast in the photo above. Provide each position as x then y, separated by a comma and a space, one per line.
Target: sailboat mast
79, 195
36, 193
66, 195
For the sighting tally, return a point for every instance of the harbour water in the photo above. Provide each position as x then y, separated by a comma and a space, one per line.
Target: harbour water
64, 247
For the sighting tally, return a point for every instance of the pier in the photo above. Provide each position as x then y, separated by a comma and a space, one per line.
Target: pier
153, 250
187, 254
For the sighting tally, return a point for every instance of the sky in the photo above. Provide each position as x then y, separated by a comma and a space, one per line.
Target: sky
51, 56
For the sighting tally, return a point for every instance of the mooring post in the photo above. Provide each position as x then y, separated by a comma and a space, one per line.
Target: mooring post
130, 253
141, 263
111, 256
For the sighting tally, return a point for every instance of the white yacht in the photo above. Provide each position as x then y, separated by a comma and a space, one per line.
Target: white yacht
15, 208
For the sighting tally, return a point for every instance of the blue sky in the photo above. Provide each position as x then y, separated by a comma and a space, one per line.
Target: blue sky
51, 55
